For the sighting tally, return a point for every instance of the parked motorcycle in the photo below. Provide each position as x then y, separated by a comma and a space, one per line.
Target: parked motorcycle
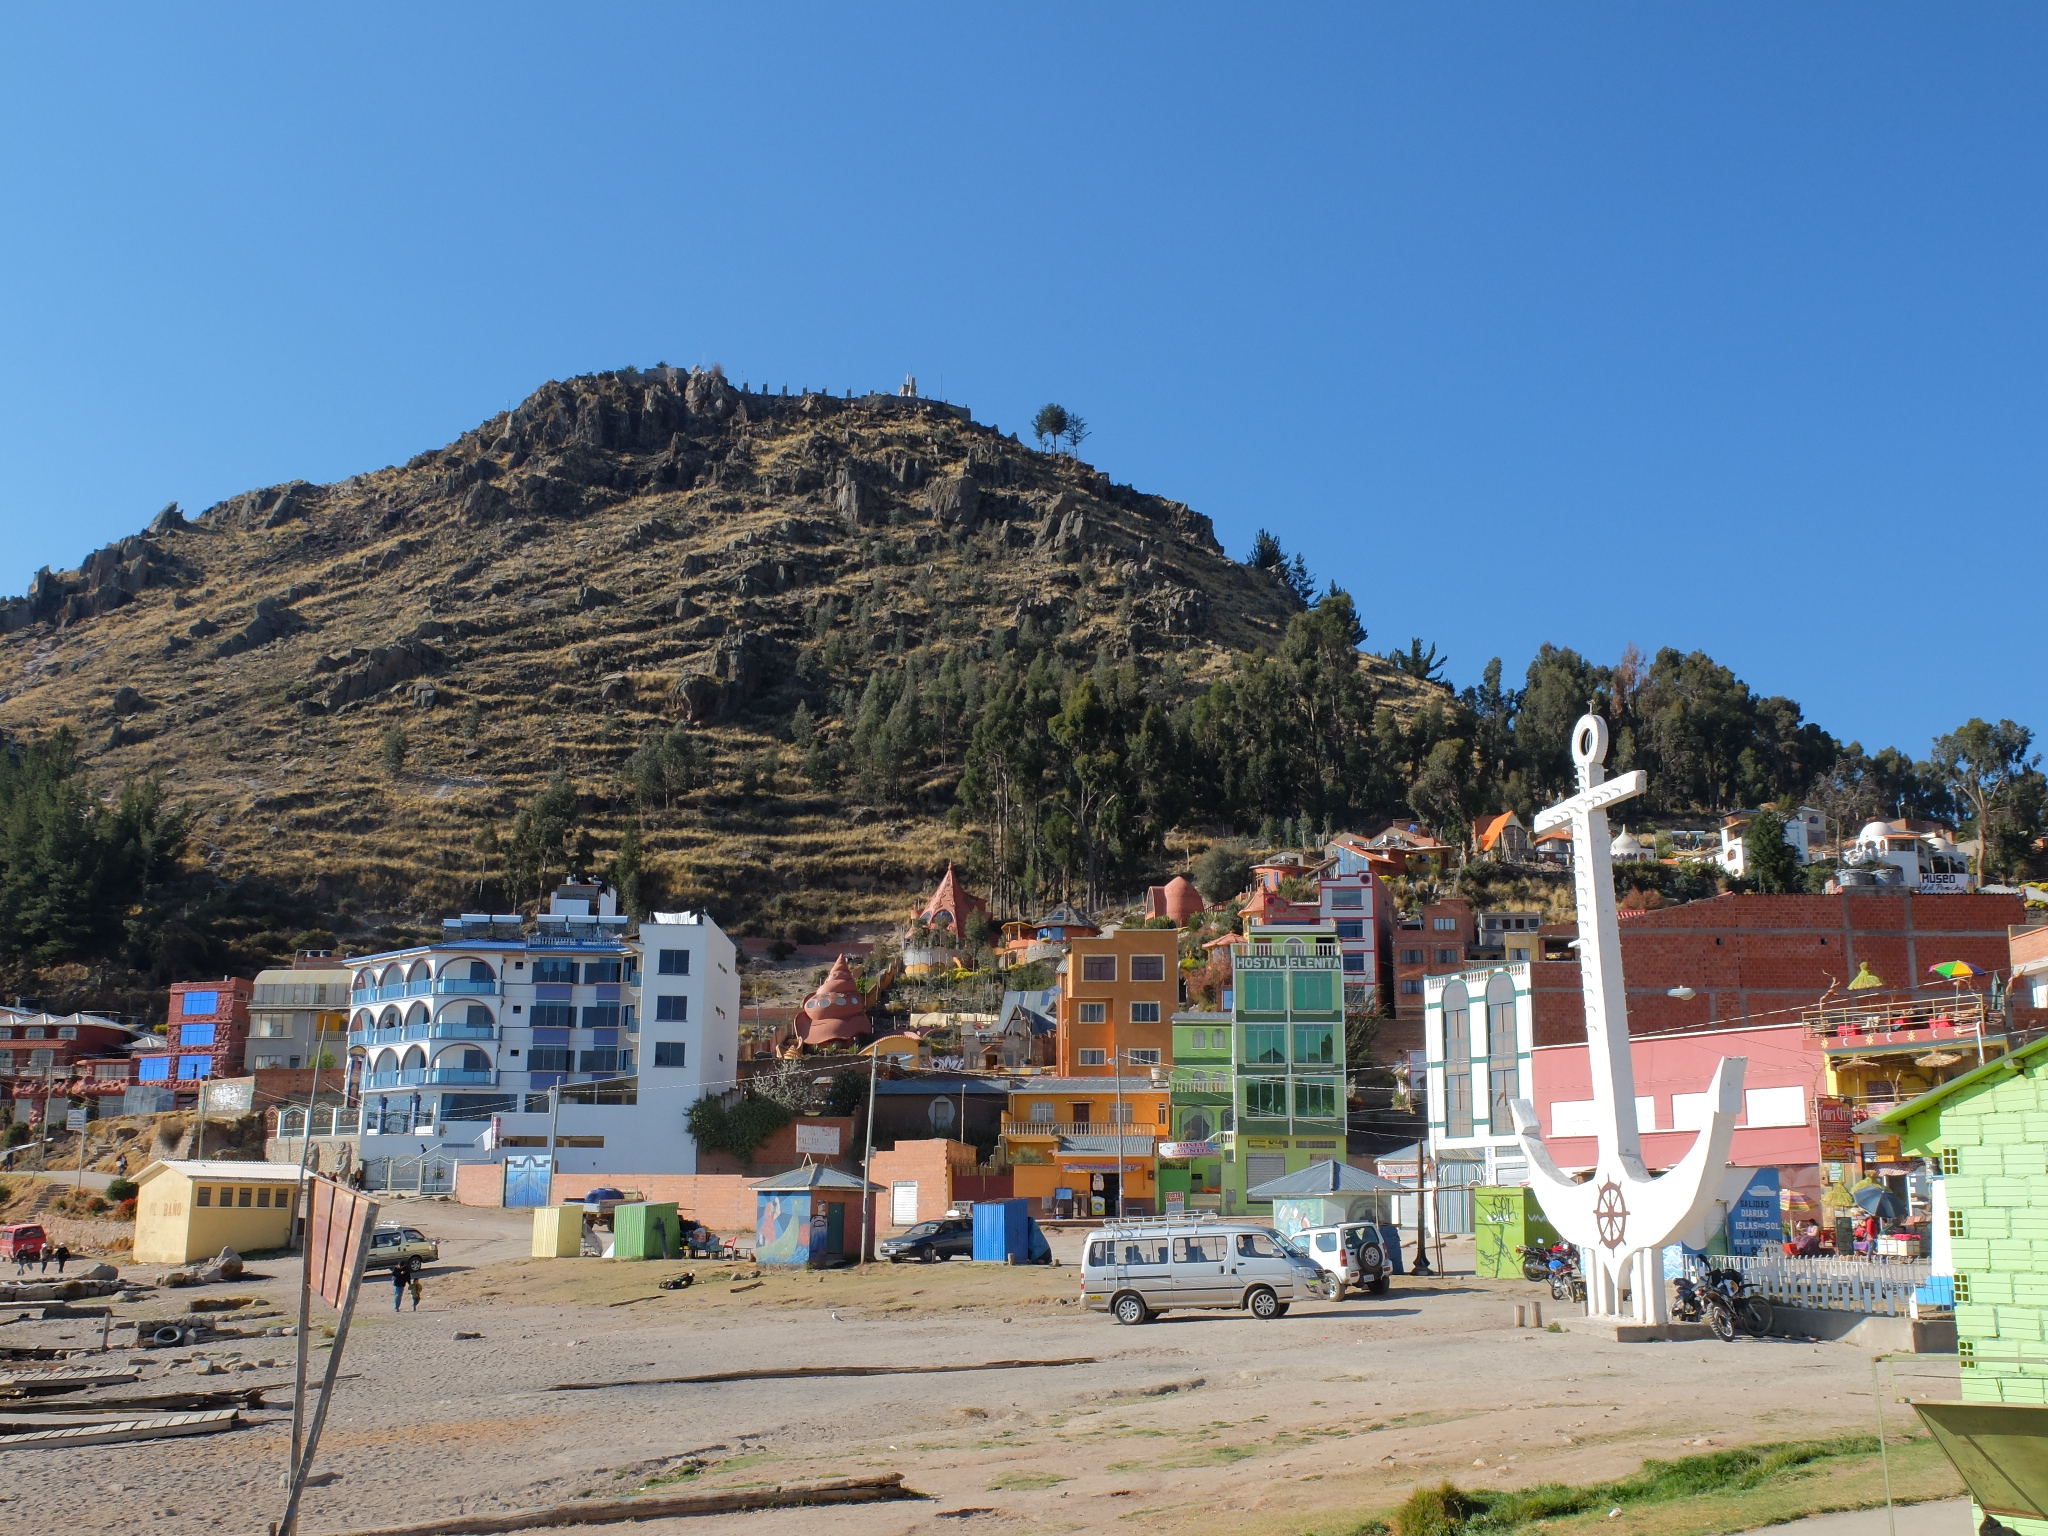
1695, 1302
1566, 1283
1752, 1312
1536, 1259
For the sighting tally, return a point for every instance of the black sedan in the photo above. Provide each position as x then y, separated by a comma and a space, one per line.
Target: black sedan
948, 1238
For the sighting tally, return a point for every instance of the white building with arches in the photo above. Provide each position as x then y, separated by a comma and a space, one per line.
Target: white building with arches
1479, 1032
476, 1028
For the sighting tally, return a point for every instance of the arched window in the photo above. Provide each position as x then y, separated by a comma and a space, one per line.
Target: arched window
394, 975
416, 1014
364, 1019
1502, 1077
365, 980
387, 1061
414, 1057
388, 1019
418, 972
1457, 1060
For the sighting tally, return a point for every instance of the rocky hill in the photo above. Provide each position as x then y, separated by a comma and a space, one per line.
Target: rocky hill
621, 553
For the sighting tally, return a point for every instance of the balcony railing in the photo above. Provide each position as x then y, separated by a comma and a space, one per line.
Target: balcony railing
464, 984
1080, 1128
450, 1029
1317, 951
396, 1034
1911, 1021
385, 994
427, 1077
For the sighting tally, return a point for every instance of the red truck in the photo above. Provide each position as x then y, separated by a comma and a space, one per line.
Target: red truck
24, 1239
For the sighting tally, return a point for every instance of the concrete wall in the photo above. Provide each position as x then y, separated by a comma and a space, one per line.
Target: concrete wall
725, 1203
931, 1165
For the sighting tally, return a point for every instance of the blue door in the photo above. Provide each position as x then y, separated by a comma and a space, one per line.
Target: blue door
527, 1180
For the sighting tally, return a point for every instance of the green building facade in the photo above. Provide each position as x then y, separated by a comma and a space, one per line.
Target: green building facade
1202, 1111
1287, 1022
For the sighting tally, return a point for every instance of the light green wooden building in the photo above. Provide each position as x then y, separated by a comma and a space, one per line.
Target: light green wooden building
1988, 1129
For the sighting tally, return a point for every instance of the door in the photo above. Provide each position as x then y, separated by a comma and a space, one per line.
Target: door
1200, 1261
527, 1180
903, 1204
835, 1231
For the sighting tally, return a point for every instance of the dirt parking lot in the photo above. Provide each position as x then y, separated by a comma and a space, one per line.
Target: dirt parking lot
1197, 1423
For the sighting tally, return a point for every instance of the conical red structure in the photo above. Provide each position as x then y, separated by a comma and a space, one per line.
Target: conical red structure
835, 1011
952, 902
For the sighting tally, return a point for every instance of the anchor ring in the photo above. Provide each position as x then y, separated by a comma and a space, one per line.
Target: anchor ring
1589, 741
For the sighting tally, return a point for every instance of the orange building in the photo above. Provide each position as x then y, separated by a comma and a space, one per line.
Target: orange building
1118, 993
1087, 1146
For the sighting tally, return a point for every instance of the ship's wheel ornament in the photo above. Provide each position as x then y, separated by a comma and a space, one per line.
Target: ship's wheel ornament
1611, 1212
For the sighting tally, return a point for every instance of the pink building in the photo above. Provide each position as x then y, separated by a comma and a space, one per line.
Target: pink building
1777, 1128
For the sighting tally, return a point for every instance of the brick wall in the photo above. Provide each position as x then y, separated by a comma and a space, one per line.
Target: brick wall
1761, 958
726, 1203
778, 1153
931, 1165
480, 1183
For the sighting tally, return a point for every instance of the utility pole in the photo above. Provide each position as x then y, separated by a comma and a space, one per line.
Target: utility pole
867, 1161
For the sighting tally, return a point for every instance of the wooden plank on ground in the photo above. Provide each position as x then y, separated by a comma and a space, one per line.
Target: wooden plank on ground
123, 1430
844, 1490
150, 1403
67, 1379
810, 1372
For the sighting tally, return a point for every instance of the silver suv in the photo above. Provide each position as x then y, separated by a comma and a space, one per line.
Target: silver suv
401, 1245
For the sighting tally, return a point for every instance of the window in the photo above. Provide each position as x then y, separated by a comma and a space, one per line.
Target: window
1092, 1058
1145, 1013
1354, 929
670, 1053
1315, 1044
67, 1032
1315, 991
1265, 1044
477, 1016
6, 1033
1121, 1113
1955, 1224
1345, 899
202, 1195
478, 971
1148, 967
1412, 988
1266, 1096
604, 1059
199, 1003
554, 972
671, 1010
1447, 957
1263, 991
263, 1199
553, 1016
7, 1060
1094, 1013
1144, 1251
1317, 1100
1444, 924
673, 962
1143, 1058
195, 1034
37, 1060
580, 1141
155, 1069
601, 1016
1951, 1162
248, 1198
1098, 967
1774, 1106
1457, 1060
1519, 955
1411, 957
548, 1058
1256, 1245
1354, 964
602, 971
1099, 1254
1041, 1114
194, 1067
1208, 1249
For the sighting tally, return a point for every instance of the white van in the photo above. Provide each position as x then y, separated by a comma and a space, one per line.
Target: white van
1136, 1270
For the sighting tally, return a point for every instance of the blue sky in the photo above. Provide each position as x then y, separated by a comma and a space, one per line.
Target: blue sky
1708, 326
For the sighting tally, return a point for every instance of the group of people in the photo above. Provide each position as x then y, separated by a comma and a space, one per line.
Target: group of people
405, 1277
26, 1259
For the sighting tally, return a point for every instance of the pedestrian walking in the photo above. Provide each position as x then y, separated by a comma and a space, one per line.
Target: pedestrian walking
63, 1257
47, 1254
415, 1286
400, 1274
121, 1165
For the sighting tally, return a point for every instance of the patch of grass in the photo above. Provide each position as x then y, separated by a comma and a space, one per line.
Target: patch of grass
1026, 1480
1741, 1473
1215, 1456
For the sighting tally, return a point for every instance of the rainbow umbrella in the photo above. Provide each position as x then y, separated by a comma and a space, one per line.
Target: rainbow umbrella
1955, 970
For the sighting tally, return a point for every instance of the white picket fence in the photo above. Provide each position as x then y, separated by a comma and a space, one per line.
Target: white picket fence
1882, 1287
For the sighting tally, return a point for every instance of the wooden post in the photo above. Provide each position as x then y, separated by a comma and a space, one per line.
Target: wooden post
289, 1524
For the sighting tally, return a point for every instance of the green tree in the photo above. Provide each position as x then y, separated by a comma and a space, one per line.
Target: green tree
540, 847
1078, 431
1050, 424
1767, 858
393, 750
1224, 871
1987, 768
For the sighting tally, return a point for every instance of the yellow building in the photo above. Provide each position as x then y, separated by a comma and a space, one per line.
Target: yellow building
192, 1210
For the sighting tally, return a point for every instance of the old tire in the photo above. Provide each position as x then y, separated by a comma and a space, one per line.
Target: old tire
1722, 1321
1263, 1304
1130, 1309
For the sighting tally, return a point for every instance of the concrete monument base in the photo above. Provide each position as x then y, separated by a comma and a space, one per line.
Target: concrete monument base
1621, 1330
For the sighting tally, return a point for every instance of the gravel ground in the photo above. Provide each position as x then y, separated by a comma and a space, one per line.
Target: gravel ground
1195, 1423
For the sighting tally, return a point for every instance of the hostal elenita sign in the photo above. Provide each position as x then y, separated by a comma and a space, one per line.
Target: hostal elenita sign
1326, 962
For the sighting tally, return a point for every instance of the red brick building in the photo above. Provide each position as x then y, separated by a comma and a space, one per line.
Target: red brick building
1757, 960
208, 1029
1429, 943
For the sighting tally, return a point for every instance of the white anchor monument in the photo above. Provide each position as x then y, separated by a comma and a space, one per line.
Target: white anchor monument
1621, 1217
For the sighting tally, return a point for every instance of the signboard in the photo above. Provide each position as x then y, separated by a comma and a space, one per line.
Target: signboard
1176, 1202
1176, 1149
1836, 1119
1754, 1223
1308, 960
336, 1219
75, 1120
229, 1095
817, 1138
